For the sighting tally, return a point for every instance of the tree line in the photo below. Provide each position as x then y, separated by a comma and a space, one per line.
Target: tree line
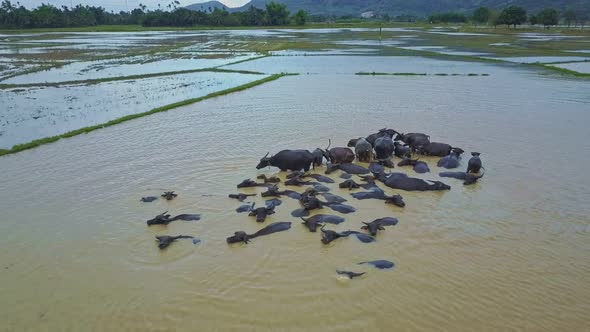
48, 16
512, 16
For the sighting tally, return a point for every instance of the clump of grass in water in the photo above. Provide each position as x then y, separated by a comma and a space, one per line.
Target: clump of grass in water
38, 142
561, 70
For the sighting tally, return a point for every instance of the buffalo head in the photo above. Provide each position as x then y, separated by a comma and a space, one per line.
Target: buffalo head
437, 185
264, 162
329, 236
396, 200
372, 227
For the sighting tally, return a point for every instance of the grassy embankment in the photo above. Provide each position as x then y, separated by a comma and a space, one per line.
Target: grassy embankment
36, 143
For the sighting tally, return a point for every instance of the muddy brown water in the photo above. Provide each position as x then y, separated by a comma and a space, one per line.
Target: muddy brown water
510, 253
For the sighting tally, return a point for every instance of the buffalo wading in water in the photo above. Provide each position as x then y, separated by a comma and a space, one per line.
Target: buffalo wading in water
474, 164
165, 219
265, 179
402, 151
347, 168
384, 147
262, 212
377, 225
377, 193
169, 195
362, 148
403, 182
166, 240
338, 155
240, 197
437, 149
241, 236
468, 178
318, 157
329, 236
350, 274
413, 140
285, 160
381, 133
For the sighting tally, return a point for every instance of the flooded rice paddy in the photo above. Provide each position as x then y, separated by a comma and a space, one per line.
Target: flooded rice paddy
509, 253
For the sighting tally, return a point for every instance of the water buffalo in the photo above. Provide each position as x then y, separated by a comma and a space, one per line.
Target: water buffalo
418, 166
296, 181
362, 148
317, 177
240, 197
450, 161
437, 149
468, 178
165, 240
265, 179
401, 150
403, 182
329, 236
294, 160
262, 212
382, 133
165, 219
381, 264
275, 227
273, 191
248, 183
312, 222
347, 168
414, 140
383, 147
350, 184
169, 195
331, 198
378, 224
148, 199
377, 193
474, 164
318, 157
350, 274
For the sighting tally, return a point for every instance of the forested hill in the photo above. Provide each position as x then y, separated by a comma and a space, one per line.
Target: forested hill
415, 7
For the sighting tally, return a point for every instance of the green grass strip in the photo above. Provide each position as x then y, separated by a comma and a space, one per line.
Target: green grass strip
417, 74
39, 142
131, 77
560, 70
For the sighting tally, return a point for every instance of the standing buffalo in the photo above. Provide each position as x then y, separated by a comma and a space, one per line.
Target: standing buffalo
382, 133
384, 147
318, 157
339, 155
362, 148
294, 160
474, 164
414, 140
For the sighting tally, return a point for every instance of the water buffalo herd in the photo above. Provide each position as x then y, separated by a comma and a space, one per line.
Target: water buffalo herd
378, 150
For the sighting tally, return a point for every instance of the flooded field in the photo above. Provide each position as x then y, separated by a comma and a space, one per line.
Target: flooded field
509, 253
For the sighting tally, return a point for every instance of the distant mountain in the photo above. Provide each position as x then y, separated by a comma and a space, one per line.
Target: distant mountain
408, 7
204, 6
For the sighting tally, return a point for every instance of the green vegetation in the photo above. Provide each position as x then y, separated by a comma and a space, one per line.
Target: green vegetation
36, 143
48, 16
415, 74
547, 17
560, 70
512, 15
481, 15
447, 18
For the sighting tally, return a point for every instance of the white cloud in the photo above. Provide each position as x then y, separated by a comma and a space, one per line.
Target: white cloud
118, 5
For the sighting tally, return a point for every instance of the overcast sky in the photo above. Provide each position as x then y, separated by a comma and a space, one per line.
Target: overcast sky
118, 5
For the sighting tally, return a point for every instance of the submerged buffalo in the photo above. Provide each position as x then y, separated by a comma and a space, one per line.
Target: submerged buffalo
381, 264
262, 212
169, 195
377, 225
273, 191
417, 165
165, 219
347, 168
468, 178
474, 164
319, 219
294, 160
265, 179
350, 274
241, 236
450, 161
166, 240
148, 199
437, 149
362, 149
349, 184
377, 193
240, 197
329, 236
403, 182
401, 150
248, 183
